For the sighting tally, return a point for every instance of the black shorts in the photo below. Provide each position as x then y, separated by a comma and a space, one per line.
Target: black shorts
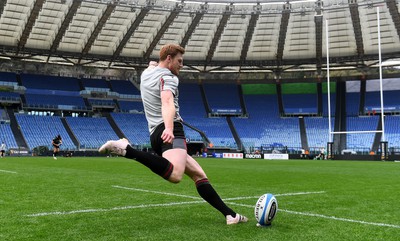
57, 147
158, 144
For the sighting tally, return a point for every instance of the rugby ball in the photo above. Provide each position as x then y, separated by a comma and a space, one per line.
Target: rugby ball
266, 209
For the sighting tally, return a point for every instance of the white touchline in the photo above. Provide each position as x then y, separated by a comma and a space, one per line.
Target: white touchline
234, 198
150, 205
163, 193
112, 209
339, 219
323, 216
276, 195
8, 171
202, 201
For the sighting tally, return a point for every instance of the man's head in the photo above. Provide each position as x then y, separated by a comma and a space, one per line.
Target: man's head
171, 57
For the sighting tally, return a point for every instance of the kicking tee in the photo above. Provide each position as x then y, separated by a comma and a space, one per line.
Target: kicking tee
153, 81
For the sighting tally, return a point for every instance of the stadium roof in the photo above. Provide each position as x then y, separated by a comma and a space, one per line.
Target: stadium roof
262, 35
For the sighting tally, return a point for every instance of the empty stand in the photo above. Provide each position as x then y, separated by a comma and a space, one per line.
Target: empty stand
300, 103
91, 133
31, 81
192, 110
223, 98
317, 131
391, 101
40, 131
130, 106
325, 109
134, 127
265, 127
7, 136
392, 133
8, 77
124, 87
52, 92
95, 83
361, 141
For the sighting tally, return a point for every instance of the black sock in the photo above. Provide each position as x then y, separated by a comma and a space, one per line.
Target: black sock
159, 165
208, 193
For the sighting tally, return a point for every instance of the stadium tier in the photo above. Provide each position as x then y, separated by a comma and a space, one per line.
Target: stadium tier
193, 112
352, 104
134, 127
8, 77
392, 134
43, 100
9, 96
31, 81
40, 131
52, 92
91, 133
216, 129
124, 87
191, 107
317, 129
300, 103
364, 140
265, 127
95, 83
391, 101
325, 109
223, 98
130, 106
7, 136
102, 102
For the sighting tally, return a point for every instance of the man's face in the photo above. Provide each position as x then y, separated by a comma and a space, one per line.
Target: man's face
176, 63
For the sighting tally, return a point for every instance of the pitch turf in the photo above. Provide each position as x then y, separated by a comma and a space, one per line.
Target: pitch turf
118, 199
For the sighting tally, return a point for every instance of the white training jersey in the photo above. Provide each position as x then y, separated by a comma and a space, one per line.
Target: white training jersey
3, 147
153, 81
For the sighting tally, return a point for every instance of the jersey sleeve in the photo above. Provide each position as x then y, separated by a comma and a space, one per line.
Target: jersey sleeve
169, 82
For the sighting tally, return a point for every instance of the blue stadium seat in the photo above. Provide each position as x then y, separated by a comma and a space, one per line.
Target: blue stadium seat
91, 133
134, 127
31, 81
40, 131
364, 140
124, 87
265, 126
223, 97
300, 103
7, 136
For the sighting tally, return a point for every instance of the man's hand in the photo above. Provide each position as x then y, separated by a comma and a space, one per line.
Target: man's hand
168, 135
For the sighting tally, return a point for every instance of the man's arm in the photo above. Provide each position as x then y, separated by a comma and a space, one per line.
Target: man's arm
168, 113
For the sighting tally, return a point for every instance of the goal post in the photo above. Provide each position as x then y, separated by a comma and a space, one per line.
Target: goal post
383, 143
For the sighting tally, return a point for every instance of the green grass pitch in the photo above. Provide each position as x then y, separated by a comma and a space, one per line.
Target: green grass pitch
119, 199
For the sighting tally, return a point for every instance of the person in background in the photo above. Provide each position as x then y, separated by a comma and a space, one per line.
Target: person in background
2, 149
57, 142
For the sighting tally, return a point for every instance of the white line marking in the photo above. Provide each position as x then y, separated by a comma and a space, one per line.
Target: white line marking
8, 171
200, 201
323, 216
276, 195
153, 205
112, 209
163, 193
234, 198
339, 219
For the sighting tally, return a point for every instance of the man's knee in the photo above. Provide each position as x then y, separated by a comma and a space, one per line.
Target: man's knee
175, 177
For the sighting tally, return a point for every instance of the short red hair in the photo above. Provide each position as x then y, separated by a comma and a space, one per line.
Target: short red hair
170, 49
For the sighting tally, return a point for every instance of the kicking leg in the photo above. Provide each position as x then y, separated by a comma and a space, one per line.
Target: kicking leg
208, 193
170, 166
